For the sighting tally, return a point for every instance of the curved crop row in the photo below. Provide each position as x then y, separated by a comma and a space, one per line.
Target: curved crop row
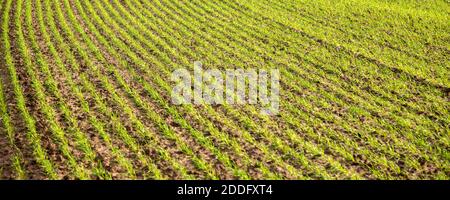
85, 89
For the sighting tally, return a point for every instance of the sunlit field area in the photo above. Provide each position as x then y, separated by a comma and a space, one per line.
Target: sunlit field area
85, 89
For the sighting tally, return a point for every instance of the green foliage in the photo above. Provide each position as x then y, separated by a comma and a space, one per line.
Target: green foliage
365, 88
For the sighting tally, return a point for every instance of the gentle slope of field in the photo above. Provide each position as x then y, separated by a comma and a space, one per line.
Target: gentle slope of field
85, 90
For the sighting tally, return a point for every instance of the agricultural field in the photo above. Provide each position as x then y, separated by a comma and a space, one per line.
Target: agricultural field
85, 89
